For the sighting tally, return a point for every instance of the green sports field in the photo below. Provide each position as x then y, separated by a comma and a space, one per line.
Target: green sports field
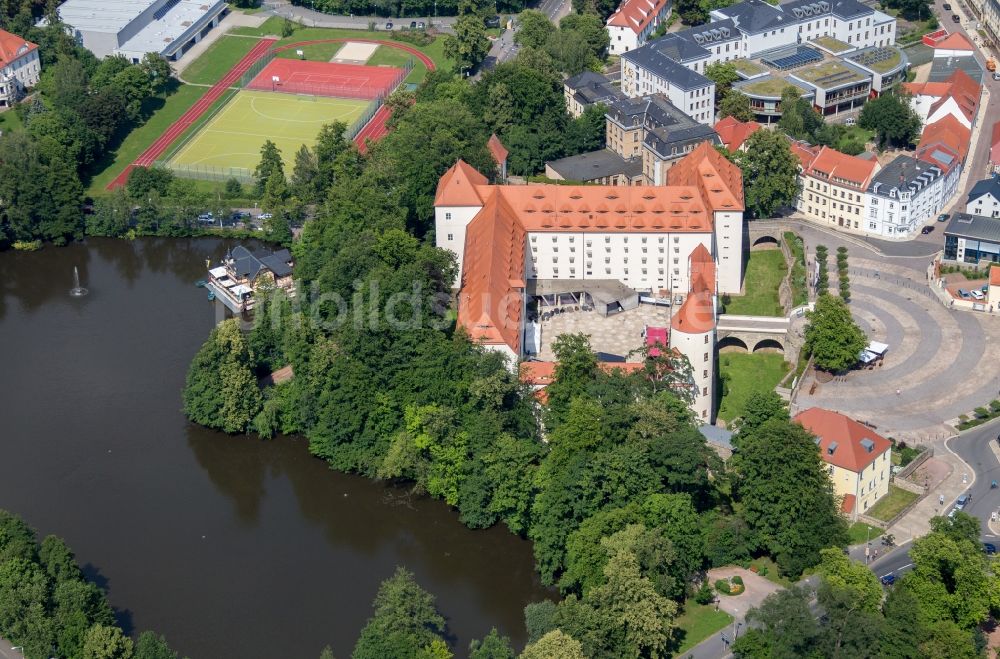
234, 136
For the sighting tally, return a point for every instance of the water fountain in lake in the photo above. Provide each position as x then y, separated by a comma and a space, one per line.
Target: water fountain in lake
77, 290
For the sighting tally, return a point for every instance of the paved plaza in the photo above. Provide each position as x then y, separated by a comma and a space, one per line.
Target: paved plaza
612, 337
938, 365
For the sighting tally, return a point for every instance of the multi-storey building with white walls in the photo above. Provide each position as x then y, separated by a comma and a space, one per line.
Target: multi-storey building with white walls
984, 198
633, 22
902, 196
748, 30
682, 239
833, 186
20, 67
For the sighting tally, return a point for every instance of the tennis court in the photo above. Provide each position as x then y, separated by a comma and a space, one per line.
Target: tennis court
233, 137
327, 78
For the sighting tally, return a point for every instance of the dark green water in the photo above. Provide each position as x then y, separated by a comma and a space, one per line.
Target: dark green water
232, 547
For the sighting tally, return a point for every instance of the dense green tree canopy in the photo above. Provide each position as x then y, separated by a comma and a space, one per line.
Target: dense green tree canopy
832, 337
404, 623
770, 173
895, 123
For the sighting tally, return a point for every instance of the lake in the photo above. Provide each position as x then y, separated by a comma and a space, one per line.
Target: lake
230, 546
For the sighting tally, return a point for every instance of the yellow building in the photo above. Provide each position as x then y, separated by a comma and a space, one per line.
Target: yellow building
858, 459
833, 189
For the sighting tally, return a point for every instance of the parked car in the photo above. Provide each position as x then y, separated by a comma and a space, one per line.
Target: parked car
927, 230
420, 25
996, 75
888, 579
964, 294
989, 548
206, 217
955, 18
413, 25
946, 6
943, 217
962, 502
493, 21
240, 215
388, 25
265, 216
851, 121
977, 294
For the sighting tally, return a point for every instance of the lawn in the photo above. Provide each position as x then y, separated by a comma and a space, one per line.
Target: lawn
891, 504
234, 136
748, 67
833, 45
215, 62
745, 373
820, 73
389, 57
272, 26
182, 98
698, 622
9, 121
766, 86
773, 575
859, 533
800, 294
765, 271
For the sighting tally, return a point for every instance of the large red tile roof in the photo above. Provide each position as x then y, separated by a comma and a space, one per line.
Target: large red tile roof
497, 149
946, 133
13, 47
492, 295
840, 168
995, 275
636, 15
718, 179
734, 133
959, 86
954, 41
844, 436
457, 187
804, 151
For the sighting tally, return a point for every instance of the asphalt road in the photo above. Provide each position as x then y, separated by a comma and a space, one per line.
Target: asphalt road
7, 650
973, 447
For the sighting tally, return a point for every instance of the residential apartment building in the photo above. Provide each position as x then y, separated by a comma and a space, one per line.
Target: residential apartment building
632, 23
683, 238
754, 28
587, 88
902, 196
833, 189
984, 198
859, 460
645, 137
958, 96
20, 67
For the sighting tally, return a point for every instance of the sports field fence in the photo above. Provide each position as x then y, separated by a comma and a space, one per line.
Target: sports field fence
366, 116
208, 172
362, 90
255, 69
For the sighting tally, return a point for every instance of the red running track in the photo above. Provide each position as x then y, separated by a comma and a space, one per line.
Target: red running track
156, 149
373, 130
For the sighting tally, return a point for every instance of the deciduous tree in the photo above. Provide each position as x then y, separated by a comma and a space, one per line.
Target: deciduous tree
770, 173
832, 337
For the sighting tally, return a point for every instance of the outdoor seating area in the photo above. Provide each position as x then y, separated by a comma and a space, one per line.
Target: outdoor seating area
873, 356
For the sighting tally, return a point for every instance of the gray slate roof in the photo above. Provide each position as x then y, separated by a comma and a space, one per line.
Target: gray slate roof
756, 16
589, 88
665, 139
904, 173
943, 67
596, 165
987, 186
663, 65
976, 227
651, 111
249, 264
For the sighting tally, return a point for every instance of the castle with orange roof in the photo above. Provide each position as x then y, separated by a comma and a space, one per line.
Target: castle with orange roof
682, 241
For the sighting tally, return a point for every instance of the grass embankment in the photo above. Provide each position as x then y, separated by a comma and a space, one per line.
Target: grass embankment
698, 622
892, 503
176, 104
859, 533
745, 373
800, 293
435, 50
765, 271
216, 62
